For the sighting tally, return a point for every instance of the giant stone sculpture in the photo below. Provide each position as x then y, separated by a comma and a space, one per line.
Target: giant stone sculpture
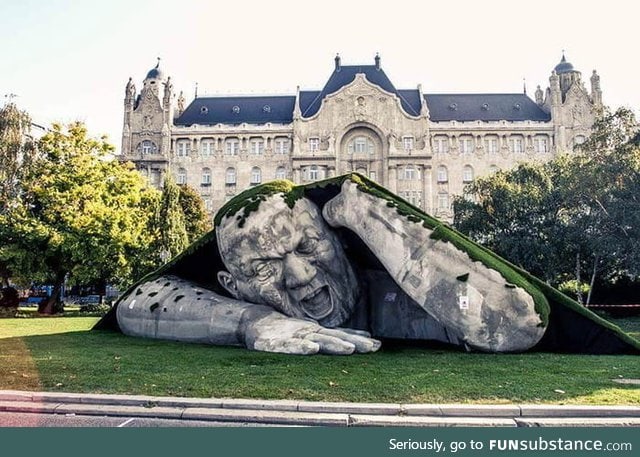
336, 266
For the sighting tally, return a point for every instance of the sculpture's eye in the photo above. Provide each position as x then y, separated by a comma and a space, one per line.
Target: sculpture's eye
307, 246
264, 270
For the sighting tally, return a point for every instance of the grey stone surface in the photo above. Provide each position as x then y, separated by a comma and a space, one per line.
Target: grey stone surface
119, 410
461, 410
579, 422
361, 420
262, 416
359, 408
28, 406
579, 411
273, 405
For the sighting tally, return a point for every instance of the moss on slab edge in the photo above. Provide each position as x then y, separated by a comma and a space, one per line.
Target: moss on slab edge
249, 201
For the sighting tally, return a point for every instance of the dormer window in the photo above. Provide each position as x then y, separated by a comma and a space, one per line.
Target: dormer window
266, 108
204, 110
236, 109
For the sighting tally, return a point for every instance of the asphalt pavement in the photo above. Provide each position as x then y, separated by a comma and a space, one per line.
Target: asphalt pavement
50, 409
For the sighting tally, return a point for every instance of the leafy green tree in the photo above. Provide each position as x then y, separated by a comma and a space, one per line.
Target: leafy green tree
17, 152
173, 236
197, 222
572, 220
81, 217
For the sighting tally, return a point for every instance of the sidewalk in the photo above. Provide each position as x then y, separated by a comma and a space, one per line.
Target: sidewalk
306, 413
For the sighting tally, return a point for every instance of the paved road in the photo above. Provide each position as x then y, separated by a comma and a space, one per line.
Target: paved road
72, 420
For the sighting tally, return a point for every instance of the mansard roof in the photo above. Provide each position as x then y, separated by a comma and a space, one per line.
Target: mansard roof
345, 74
277, 109
484, 107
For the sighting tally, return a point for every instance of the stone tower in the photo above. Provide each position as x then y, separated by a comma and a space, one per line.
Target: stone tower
573, 109
148, 118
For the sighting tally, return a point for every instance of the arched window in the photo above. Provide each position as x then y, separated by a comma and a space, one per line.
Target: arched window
147, 147
410, 173
206, 177
181, 177
467, 174
493, 169
443, 175
230, 176
281, 173
313, 173
361, 145
579, 139
256, 175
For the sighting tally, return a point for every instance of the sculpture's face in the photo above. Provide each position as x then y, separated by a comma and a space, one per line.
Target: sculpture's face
291, 260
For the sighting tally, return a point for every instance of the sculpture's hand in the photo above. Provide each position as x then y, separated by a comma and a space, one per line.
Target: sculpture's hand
349, 208
274, 332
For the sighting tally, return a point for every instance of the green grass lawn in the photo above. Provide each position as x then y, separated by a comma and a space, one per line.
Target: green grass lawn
60, 354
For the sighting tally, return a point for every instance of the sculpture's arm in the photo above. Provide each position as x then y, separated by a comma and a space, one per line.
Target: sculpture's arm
175, 309
471, 300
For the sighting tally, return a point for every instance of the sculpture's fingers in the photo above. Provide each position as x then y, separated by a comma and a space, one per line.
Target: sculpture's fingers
354, 331
332, 345
362, 344
288, 346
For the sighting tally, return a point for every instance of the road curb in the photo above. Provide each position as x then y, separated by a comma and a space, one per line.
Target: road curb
307, 413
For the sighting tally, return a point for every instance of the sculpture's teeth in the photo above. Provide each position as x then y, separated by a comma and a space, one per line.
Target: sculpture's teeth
318, 303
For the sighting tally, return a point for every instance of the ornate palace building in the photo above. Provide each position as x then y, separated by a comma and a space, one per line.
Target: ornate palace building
424, 147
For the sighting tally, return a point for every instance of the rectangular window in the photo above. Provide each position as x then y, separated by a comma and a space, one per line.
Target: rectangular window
314, 144
517, 145
541, 144
183, 148
282, 146
443, 201
441, 145
407, 143
466, 145
491, 144
206, 147
360, 144
232, 146
257, 147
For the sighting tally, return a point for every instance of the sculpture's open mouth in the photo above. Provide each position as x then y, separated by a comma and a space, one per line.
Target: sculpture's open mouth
318, 303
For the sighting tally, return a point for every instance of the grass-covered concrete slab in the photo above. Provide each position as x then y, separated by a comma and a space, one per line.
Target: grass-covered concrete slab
570, 327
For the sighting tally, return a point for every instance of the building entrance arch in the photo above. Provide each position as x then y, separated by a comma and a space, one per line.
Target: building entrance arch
362, 151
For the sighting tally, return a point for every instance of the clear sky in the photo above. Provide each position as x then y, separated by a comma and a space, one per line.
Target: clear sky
69, 60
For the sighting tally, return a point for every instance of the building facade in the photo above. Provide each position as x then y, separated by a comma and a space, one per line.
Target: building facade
423, 147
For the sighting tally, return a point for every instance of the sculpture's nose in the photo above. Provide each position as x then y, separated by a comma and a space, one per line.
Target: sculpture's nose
298, 272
